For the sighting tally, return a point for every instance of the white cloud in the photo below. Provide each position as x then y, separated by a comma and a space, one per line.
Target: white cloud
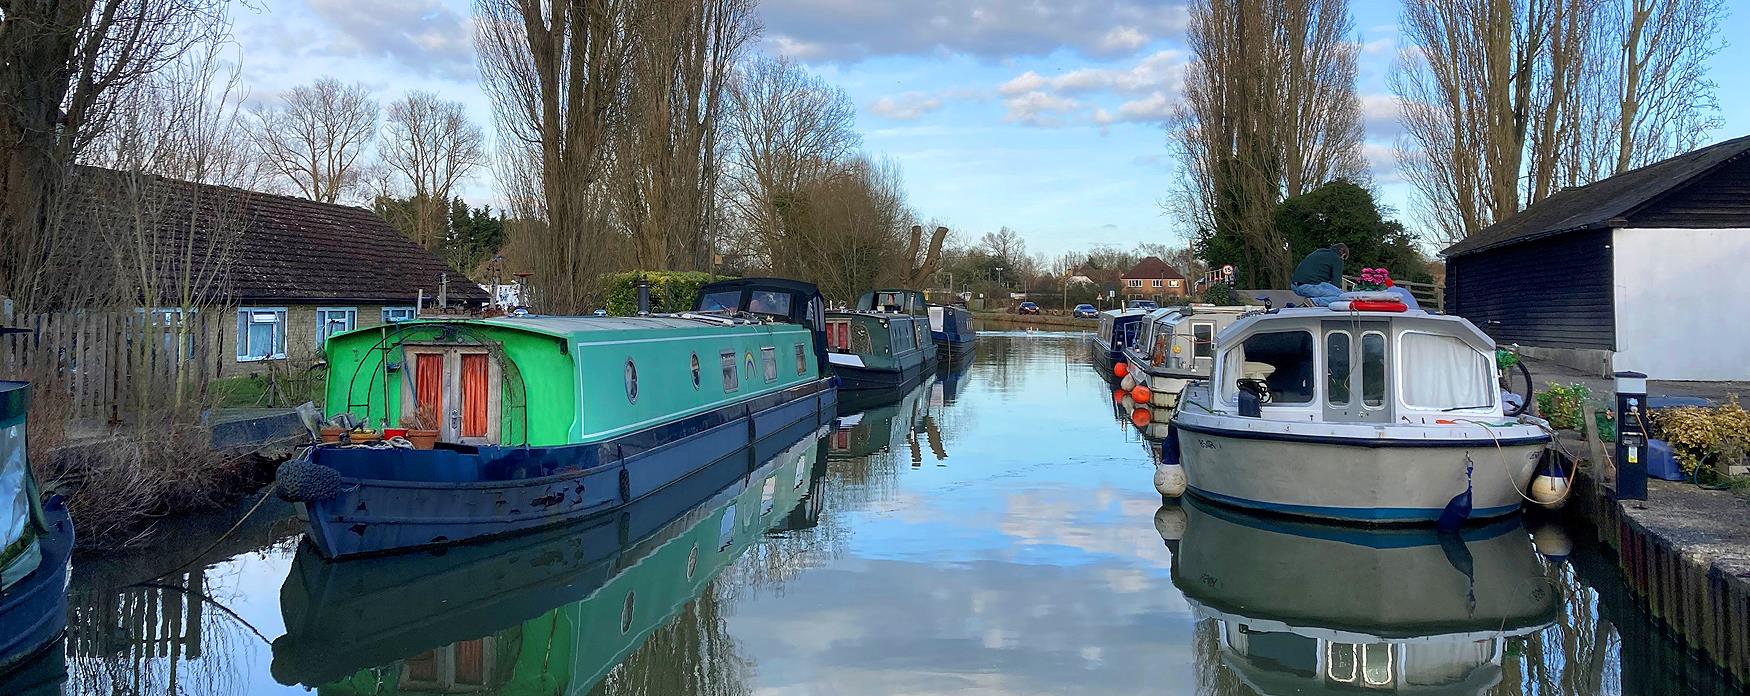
905, 107
1154, 107
1039, 109
853, 30
421, 35
1021, 84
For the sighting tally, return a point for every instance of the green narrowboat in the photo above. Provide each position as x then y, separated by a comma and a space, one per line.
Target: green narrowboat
540, 420
878, 350
547, 613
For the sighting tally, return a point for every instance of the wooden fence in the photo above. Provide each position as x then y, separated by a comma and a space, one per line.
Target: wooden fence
1428, 295
142, 622
109, 363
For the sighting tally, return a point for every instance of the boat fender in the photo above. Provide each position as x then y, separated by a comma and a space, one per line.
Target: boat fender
1552, 543
1459, 508
1128, 383
1170, 480
1549, 491
300, 480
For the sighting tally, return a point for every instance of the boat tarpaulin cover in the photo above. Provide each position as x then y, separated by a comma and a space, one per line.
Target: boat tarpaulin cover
18, 555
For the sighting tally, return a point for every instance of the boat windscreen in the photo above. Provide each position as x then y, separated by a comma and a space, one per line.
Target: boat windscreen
721, 301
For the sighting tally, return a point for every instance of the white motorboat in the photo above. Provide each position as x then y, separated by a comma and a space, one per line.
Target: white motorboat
1174, 346
1377, 415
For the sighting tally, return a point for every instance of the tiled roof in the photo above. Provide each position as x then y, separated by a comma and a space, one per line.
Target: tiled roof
1151, 268
1596, 204
282, 248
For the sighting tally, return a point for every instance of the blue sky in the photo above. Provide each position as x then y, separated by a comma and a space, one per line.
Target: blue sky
1041, 116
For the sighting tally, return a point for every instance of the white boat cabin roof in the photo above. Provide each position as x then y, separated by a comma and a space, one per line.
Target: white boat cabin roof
1278, 319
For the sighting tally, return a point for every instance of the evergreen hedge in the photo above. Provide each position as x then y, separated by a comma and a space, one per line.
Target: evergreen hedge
670, 291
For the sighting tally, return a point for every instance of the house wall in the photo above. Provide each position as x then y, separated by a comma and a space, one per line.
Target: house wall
301, 347
1149, 292
1674, 289
1553, 292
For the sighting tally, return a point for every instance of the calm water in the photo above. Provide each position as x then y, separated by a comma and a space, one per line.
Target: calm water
993, 531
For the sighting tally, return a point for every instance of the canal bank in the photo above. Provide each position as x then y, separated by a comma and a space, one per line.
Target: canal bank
1003, 320
1684, 551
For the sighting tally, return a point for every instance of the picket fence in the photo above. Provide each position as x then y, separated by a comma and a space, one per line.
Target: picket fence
108, 363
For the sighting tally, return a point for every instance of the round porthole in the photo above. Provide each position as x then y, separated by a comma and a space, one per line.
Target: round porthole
692, 561
695, 371
631, 381
626, 614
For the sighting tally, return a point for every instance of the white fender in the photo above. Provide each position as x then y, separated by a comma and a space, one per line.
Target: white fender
1170, 480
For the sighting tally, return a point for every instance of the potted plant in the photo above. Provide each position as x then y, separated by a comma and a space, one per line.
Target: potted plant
422, 427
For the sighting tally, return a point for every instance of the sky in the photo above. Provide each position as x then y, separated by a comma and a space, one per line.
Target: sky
1042, 116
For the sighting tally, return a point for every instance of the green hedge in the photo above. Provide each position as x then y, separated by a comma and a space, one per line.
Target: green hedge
670, 291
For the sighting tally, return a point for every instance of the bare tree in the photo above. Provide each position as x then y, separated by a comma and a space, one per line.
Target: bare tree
555, 72
1269, 110
430, 145
667, 149
1503, 104
316, 137
60, 63
788, 129
1664, 96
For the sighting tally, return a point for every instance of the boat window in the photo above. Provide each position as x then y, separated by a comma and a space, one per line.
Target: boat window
726, 300
1373, 369
731, 376
769, 362
801, 360
1443, 372
1337, 368
1283, 359
769, 302
695, 371
1204, 335
631, 381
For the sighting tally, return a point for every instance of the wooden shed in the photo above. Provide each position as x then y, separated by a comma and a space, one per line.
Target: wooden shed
1633, 272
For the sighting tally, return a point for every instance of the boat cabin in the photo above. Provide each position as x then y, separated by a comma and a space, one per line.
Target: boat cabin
878, 340
1316, 364
1181, 340
1118, 328
558, 380
898, 301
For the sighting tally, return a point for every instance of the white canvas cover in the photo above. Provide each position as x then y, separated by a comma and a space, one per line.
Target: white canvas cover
15, 508
936, 318
1443, 372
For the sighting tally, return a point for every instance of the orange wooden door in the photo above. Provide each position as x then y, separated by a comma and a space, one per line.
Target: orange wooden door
475, 395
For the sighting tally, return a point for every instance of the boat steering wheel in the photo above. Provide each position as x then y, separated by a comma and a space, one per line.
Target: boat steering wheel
1257, 387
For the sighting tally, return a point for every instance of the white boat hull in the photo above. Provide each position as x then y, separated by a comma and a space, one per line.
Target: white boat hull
1384, 481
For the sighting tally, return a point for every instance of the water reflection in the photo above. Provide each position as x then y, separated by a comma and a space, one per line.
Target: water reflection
1024, 554
549, 613
1309, 607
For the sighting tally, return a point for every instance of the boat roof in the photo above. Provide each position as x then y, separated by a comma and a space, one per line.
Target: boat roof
567, 326
1447, 324
1127, 312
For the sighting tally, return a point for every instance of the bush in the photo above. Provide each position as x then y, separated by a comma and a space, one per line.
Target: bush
1699, 435
670, 291
1221, 294
1561, 404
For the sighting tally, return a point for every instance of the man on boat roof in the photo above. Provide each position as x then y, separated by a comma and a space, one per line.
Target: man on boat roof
1318, 274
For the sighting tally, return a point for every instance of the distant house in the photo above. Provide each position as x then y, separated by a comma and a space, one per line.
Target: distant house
1639, 271
287, 271
1152, 279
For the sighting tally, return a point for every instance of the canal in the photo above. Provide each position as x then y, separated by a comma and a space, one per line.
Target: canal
994, 530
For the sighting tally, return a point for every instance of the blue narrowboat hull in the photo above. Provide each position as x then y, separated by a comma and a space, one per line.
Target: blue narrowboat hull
855, 378
469, 493
344, 617
33, 612
1105, 357
954, 344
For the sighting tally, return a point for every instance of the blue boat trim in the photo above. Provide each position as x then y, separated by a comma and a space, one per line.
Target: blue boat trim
1360, 441
1374, 515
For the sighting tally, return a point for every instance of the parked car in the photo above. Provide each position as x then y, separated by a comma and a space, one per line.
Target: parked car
1085, 311
1027, 308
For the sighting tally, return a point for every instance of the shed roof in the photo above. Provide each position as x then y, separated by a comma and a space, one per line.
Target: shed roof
1598, 204
1153, 267
281, 248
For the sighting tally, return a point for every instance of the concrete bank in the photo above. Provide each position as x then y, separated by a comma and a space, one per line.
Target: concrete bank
999, 320
1684, 553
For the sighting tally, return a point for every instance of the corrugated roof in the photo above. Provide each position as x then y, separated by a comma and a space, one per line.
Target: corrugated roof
1595, 205
282, 248
1153, 267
